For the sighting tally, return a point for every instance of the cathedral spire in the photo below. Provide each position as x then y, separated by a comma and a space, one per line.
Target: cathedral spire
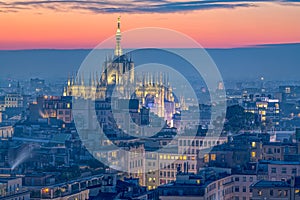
118, 49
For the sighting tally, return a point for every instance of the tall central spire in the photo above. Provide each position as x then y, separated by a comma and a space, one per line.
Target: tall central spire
118, 50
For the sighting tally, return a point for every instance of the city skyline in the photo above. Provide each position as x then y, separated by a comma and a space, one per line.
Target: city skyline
149, 114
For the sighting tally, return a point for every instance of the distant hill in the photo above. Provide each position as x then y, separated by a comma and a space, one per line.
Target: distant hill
274, 62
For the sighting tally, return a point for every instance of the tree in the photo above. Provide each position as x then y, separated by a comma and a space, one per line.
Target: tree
237, 119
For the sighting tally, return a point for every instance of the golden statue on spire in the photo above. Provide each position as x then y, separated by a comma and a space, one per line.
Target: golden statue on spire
118, 49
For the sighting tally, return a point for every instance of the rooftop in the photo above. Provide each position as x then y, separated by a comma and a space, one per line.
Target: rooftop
279, 162
270, 184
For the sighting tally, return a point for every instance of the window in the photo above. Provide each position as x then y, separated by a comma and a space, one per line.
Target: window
237, 179
206, 158
251, 179
271, 192
253, 154
244, 179
273, 170
259, 192
283, 170
236, 189
286, 149
213, 157
244, 189
294, 171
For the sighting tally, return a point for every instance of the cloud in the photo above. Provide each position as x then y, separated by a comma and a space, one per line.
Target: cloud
130, 6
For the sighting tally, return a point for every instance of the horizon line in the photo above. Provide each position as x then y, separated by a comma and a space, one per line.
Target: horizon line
265, 45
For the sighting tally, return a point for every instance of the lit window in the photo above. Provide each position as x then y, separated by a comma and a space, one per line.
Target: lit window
46, 190
213, 156
253, 154
206, 158
259, 192
253, 144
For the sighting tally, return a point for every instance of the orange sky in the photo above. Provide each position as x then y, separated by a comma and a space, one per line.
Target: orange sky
44, 28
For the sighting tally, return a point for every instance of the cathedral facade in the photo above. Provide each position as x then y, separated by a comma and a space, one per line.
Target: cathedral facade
119, 77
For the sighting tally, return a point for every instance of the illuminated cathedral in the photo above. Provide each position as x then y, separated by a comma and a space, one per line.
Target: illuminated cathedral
152, 90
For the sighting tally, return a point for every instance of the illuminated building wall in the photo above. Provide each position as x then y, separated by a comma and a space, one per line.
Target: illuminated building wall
265, 108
